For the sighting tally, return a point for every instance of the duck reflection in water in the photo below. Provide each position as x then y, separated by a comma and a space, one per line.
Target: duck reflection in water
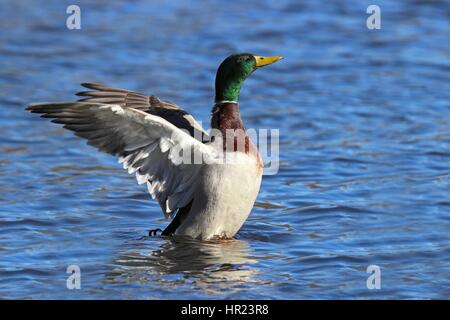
208, 265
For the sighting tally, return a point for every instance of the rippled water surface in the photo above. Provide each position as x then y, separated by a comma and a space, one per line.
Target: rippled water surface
364, 119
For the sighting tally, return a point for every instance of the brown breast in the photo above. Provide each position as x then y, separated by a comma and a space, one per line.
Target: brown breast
227, 119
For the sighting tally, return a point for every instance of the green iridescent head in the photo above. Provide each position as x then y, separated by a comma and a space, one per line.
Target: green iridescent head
234, 70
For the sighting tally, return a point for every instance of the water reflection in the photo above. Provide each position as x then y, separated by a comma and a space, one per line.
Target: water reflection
210, 266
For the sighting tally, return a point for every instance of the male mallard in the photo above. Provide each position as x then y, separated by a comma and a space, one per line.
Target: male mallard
211, 198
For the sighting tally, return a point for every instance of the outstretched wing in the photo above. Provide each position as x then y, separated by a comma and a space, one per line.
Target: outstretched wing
146, 144
150, 104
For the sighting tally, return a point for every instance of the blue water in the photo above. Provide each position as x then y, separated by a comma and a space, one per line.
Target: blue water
364, 120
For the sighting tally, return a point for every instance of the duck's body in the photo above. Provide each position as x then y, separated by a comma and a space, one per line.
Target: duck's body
211, 198
225, 191
225, 194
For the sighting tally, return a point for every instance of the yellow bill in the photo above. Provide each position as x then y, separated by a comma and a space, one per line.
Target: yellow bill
262, 61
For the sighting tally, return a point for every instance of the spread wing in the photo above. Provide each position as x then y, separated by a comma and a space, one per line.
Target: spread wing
146, 144
150, 104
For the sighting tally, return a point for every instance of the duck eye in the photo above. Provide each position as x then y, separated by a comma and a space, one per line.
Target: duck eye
244, 59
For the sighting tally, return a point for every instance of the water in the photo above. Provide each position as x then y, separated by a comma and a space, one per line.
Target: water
364, 179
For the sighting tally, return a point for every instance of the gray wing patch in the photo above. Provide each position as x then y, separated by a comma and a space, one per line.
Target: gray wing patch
150, 104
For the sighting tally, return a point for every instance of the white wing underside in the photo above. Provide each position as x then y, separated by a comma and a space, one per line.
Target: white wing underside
154, 159
147, 145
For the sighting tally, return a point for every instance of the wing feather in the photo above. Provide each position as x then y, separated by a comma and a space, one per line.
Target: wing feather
146, 145
150, 104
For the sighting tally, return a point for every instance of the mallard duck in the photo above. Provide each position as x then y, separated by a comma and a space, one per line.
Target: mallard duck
210, 198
